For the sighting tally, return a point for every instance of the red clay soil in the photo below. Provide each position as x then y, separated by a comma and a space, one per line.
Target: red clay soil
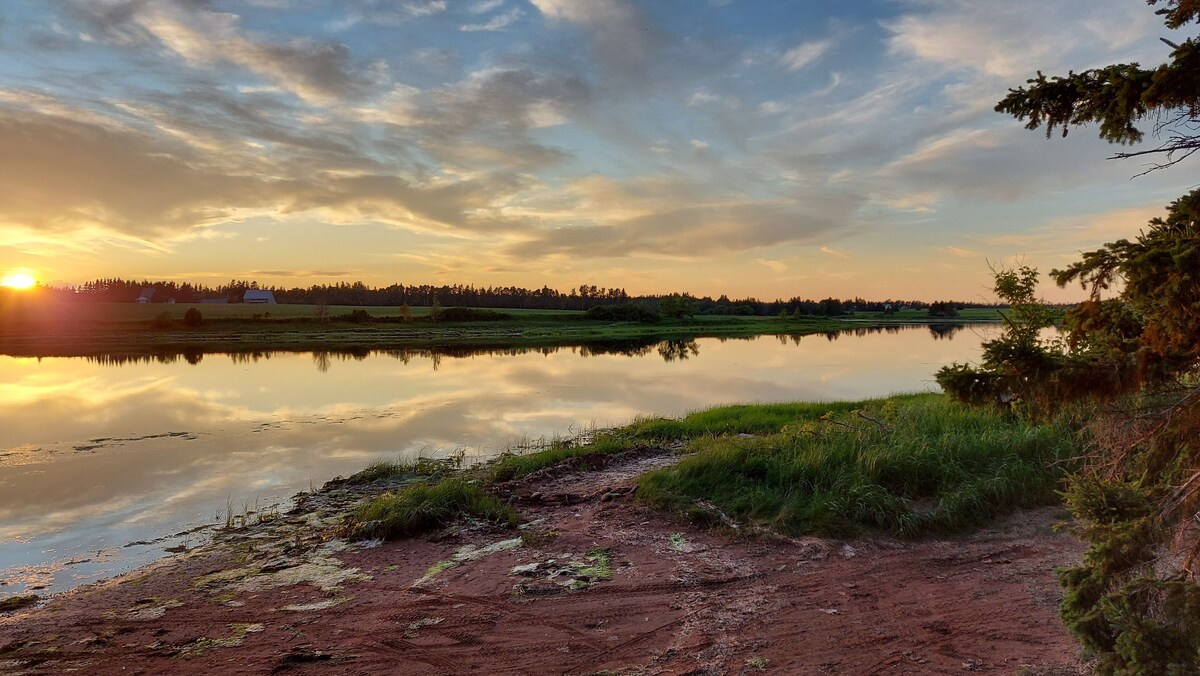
680, 600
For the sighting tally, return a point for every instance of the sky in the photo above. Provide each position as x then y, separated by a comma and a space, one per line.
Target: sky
768, 148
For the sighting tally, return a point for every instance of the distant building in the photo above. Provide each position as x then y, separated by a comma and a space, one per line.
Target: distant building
259, 297
147, 295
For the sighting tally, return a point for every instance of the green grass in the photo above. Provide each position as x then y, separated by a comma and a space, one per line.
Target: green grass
405, 470
425, 507
913, 465
516, 466
735, 419
909, 464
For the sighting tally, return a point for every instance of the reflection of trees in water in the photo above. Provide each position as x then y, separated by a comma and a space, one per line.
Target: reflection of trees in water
945, 331
247, 357
940, 331
671, 350
324, 358
631, 348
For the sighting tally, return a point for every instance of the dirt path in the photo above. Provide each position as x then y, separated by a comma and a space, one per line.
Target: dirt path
600, 585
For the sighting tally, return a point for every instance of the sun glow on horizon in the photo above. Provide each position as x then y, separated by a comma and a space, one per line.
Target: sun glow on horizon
18, 280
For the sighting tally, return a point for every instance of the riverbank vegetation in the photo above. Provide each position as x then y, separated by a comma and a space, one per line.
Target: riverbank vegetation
908, 465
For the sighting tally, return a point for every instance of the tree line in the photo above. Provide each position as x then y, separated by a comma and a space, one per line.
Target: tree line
583, 297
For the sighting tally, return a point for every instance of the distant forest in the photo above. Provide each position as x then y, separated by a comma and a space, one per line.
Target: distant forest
584, 297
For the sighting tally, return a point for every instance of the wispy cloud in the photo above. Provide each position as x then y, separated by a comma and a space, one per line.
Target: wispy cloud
498, 22
805, 54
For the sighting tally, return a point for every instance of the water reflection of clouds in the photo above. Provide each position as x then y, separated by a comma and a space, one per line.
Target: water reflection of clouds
270, 427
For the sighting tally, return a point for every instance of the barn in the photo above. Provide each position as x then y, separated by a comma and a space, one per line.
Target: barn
259, 297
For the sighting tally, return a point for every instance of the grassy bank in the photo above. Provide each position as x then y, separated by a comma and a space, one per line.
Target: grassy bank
131, 329
907, 465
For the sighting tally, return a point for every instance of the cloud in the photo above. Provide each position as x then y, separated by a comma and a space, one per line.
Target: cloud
996, 164
498, 22
485, 6
645, 217
317, 72
624, 40
830, 251
119, 180
392, 15
300, 273
959, 252
804, 54
485, 119
129, 182
1011, 40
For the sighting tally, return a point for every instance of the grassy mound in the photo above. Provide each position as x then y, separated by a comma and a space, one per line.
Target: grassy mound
908, 465
516, 466
425, 507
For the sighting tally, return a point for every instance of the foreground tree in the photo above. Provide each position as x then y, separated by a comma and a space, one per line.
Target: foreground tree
1133, 360
1123, 96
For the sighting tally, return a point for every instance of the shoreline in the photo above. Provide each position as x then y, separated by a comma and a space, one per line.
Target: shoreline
592, 579
665, 597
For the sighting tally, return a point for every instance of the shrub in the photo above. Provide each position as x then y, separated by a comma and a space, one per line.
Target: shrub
942, 309
193, 317
161, 320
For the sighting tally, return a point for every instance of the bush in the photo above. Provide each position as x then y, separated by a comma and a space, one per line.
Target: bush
359, 317
193, 317
630, 312
161, 320
943, 309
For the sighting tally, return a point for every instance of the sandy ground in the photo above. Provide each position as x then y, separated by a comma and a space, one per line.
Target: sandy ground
287, 597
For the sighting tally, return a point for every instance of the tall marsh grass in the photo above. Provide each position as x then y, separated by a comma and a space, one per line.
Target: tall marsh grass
908, 465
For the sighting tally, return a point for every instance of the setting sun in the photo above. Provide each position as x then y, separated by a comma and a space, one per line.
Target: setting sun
18, 280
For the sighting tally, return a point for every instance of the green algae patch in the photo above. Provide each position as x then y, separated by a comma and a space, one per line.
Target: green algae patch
596, 565
237, 638
679, 543
465, 554
554, 576
151, 608
326, 574
222, 577
316, 605
415, 627
18, 602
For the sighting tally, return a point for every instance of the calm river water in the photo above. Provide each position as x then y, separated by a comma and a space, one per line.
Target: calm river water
104, 462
